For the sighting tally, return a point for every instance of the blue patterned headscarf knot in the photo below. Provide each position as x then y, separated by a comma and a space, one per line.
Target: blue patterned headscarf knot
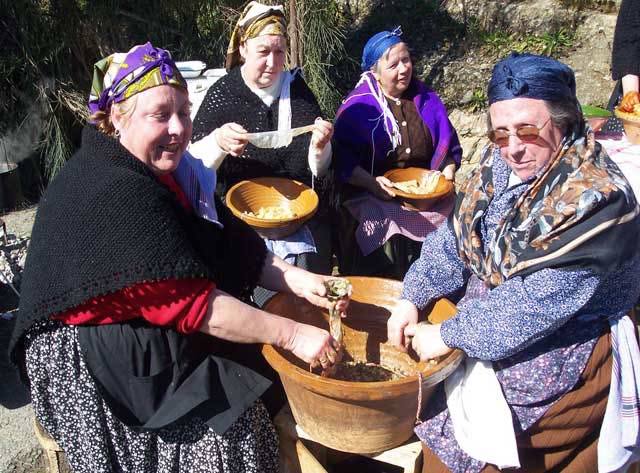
377, 45
531, 76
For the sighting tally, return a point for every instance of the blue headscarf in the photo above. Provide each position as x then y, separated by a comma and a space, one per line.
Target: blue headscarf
377, 45
531, 76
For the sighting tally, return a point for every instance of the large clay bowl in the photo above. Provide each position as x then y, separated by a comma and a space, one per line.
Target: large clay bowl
251, 195
358, 417
418, 201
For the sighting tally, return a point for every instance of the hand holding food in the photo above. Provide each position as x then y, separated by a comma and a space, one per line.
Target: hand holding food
322, 133
381, 188
231, 138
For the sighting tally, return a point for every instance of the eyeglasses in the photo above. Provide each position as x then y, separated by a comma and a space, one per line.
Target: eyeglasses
526, 133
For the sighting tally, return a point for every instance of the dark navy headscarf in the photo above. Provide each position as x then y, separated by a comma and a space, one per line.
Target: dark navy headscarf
377, 45
531, 76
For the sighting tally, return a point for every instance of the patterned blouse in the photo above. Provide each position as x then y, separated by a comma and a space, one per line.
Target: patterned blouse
538, 330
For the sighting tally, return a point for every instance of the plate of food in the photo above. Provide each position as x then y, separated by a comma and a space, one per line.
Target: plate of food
275, 207
419, 188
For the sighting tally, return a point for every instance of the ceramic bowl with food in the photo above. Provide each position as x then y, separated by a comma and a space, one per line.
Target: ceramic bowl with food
631, 123
419, 188
275, 207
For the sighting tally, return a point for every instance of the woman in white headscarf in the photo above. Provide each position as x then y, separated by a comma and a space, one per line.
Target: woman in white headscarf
259, 95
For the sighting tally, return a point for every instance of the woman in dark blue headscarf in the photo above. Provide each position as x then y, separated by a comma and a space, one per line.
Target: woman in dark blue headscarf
543, 243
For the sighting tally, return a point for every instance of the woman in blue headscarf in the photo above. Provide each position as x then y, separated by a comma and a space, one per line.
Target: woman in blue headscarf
390, 120
543, 244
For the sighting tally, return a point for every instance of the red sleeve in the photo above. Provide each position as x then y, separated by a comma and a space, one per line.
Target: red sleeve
178, 303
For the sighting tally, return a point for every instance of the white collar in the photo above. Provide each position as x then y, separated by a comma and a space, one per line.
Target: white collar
514, 180
269, 94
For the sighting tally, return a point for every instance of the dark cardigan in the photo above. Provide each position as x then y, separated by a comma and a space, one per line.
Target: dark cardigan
230, 100
625, 54
105, 223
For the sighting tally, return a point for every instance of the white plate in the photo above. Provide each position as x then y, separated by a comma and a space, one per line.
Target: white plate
190, 69
190, 74
191, 65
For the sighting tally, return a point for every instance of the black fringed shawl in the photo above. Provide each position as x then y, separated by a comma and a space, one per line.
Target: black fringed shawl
105, 223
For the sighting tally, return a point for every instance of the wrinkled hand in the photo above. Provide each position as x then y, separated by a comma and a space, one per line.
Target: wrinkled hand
232, 138
313, 345
628, 101
449, 170
382, 188
322, 133
403, 314
426, 340
310, 286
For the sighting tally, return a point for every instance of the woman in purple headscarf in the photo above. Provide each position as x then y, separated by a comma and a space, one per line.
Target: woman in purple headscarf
390, 120
543, 243
135, 329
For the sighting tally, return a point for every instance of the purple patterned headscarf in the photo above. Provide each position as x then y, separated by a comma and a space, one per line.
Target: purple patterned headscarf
122, 75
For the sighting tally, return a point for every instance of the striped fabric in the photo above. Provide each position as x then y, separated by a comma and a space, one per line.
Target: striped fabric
619, 443
199, 184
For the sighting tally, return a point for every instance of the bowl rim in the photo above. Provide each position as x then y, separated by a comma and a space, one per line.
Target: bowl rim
433, 195
272, 223
376, 390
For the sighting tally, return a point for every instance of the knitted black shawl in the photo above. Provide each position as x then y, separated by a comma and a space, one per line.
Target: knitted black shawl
105, 222
230, 100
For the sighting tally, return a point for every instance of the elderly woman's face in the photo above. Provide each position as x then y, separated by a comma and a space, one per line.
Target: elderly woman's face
525, 155
264, 58
394, 70
159, 129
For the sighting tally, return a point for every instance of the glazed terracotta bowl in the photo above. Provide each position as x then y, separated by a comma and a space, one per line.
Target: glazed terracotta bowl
252, 195
419, 201
631, 123
359, 417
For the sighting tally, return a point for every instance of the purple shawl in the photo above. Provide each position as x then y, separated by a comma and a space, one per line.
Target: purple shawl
359, 135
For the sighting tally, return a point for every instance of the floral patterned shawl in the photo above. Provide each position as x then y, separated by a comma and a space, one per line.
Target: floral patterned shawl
579, 211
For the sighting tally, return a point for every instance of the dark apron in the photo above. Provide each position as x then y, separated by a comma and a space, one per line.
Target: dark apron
152, 376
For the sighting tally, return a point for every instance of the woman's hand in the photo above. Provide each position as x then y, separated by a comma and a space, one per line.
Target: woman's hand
322, 133
382, 188
403, 314
426, 340
231, 138
629, 100
313, 345
449, 168
310, 286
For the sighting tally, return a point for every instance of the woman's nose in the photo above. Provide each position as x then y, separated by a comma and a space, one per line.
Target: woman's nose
515, 146
271, 60
176, 125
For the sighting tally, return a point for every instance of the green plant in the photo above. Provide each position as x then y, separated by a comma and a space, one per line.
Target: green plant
322, 47
478, 101
499, 43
